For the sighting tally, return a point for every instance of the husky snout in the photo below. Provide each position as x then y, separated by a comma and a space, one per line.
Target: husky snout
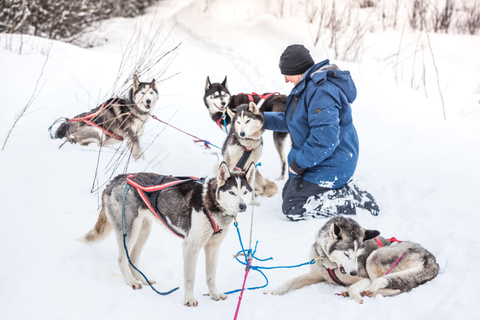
242, 134
242, 207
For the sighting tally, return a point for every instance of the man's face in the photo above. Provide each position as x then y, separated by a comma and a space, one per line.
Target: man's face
293, 79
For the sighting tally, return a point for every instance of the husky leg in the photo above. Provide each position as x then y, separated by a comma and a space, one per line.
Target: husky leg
211, 259
279, 140
191, 249
297, 283
355, 291
137, 250
135, 148
86, 135
123, 263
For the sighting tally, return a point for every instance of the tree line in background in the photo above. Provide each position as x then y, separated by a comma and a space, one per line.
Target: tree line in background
63, 19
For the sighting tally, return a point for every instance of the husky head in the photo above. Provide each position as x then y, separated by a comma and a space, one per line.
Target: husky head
234, 189
144, 94
343, 240
247, 121
216, 96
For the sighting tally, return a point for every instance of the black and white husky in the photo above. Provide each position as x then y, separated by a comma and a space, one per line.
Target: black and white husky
115, 120
217, 98
367, 264
191, 209
244, 144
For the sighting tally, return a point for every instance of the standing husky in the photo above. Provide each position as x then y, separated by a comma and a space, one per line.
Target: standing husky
217, 98
114, 120
367, 264
191, 210
244, 144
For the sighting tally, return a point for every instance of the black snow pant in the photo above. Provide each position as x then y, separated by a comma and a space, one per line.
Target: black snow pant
302, 200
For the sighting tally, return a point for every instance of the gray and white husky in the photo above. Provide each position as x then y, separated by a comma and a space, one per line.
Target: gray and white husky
114, 120
217, 98
188, 207
244, 144
349, 255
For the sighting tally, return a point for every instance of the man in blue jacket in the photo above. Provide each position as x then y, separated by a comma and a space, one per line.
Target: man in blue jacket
324, 154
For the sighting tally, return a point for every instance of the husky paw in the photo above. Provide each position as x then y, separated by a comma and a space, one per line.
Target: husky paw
135, 285
190, 302
345, 294
145, 283
218, 296
367, 293
276, 292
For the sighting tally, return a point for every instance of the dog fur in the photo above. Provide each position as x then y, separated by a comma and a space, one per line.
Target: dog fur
123, 117
342, 245
217, 98
185, 206
248, 125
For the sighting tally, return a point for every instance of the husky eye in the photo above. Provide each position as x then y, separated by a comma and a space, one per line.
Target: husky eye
238, 122
231, 192
247, 121
245, 192
348, 256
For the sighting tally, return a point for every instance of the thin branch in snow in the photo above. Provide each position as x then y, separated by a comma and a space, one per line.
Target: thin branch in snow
32, 98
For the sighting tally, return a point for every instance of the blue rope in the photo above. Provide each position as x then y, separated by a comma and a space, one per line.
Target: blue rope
225, 122
249, 252
124, 230
56, 121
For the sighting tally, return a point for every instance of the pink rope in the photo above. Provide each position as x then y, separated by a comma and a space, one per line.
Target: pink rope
397, 261
247, 269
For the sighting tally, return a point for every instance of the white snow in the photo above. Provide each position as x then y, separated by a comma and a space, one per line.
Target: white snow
422, 169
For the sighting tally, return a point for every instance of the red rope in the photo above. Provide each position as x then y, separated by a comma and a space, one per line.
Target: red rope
247, 269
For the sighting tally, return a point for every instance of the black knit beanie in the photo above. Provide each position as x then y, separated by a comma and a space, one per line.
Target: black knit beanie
295, 60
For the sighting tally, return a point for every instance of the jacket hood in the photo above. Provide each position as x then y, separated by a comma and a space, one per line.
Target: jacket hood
325, 71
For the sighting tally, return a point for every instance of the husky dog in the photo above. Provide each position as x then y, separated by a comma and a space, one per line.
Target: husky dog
367, 264
114, 120
189, 208
217, 98
244, 144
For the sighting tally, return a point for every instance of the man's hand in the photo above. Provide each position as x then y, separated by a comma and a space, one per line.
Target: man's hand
291, 170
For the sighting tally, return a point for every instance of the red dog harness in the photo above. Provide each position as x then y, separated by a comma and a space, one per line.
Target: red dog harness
141, 189
391, 240
86, 119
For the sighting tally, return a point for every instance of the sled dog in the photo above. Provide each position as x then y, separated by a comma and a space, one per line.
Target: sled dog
244, 144
191, 209
217, 98
367, 264
114, 120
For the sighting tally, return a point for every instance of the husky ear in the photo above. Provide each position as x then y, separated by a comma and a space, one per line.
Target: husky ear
230, 113
152, 84
224, 83
136, 82
252, 107
335, 232
250, 174
223, 174
370, 234
208, 84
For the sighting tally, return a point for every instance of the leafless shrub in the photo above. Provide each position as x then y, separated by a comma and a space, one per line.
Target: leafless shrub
443, 18
311, 10
417, 15
367, 3
473, 19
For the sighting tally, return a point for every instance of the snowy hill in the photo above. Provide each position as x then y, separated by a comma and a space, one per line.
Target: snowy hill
422, 169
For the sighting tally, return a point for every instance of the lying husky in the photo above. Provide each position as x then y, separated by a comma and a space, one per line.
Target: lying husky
351, 256
114, 120
244, 144
217, 98
193, 210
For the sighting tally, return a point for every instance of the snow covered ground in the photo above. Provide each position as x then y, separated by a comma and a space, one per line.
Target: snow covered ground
422, 169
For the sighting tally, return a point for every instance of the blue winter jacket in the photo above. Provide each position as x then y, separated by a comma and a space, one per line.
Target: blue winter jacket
319, 119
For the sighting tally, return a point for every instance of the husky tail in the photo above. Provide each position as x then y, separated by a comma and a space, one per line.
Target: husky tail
62, 130
101, 230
